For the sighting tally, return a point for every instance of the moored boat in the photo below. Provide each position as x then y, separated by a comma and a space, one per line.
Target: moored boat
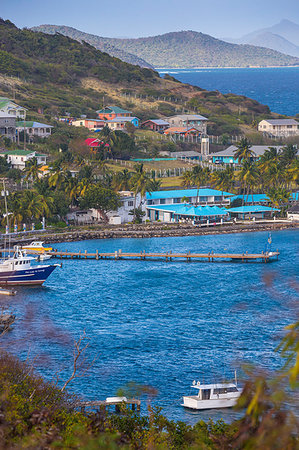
210, 396
36, 247
17, 270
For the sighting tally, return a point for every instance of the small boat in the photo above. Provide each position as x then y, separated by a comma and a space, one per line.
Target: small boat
43, 257
210, 396
36, 247
17, 270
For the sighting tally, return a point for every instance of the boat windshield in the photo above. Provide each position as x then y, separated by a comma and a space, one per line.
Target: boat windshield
225, 390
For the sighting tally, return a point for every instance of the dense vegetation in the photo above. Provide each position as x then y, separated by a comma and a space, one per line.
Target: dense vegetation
42, 58
183, 49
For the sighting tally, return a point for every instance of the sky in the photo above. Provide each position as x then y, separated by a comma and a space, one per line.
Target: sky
137, 18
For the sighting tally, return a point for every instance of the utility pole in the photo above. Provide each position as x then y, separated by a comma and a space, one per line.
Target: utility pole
24, 130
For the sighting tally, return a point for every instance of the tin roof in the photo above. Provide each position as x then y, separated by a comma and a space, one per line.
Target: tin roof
121, 119
185, 209
281, 121
252, 208
157, 121
113, 109
259, 150
31, 124
179, 193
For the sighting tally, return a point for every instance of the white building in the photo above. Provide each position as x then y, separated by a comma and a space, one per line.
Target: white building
18, 158
279, 127
84, 217
293, 213
8, 126
10, 108
34, 129
122, 215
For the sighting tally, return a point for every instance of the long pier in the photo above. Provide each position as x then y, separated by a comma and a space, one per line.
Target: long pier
168, 256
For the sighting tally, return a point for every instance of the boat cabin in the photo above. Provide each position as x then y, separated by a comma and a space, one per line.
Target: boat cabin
214, 391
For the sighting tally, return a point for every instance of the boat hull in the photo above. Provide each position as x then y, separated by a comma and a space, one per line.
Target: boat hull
192, 403
32, 276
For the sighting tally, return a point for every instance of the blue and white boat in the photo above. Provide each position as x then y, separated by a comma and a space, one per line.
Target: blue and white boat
17, 270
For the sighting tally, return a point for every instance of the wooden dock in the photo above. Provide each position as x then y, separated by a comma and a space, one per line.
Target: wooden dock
168, 256
103, 405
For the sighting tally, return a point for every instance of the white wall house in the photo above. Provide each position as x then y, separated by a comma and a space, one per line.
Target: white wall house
122, 215
34, 129
10, 108
279, 127
8, 126
18, 158
84, 217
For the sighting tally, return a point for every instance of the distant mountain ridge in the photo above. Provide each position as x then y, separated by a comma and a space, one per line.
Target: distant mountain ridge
282, 37
183, 49
99, 43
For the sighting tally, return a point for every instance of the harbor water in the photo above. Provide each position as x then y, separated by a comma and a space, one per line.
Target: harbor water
158, 323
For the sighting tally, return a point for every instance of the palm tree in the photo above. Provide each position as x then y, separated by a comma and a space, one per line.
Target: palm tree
243, 151
187, 179
32, 169
279, 196
198, 177
121, 180
139, 184
154, 185
223, 179
249, 177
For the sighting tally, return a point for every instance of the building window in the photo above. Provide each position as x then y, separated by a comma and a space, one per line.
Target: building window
162, 201
130, 203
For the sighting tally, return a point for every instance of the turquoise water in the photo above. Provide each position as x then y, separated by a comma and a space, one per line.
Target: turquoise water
157, 323
276, 87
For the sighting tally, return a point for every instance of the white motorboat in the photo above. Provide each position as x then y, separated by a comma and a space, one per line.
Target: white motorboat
210, 396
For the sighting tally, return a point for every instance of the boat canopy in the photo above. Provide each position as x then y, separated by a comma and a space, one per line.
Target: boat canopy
214, 386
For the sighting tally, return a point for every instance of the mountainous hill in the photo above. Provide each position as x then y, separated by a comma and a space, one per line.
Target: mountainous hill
189, 49
285, 28
276, 42
283, 37
53, 74
100, 43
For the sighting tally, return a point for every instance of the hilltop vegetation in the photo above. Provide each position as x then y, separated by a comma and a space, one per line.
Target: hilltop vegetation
182, 49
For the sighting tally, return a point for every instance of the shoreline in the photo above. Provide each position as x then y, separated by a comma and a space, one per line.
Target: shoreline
149, 231
228, 67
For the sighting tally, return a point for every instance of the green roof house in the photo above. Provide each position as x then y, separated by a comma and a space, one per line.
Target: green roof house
111, 112
34, 128
18, 158
10, 108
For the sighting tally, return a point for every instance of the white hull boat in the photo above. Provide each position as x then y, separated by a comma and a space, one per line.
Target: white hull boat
212, 396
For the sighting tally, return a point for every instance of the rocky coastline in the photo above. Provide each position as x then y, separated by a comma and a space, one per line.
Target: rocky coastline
146, 231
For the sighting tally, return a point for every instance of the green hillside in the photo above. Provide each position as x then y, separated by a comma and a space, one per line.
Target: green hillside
53, 74
183, 49
98, 42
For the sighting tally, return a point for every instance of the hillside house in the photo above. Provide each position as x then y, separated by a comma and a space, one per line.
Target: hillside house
158, 125
8, 126
18, 158
189, 120
227, 156
10, 108
279, 127
183, 131
119, 123
111, 112
34, 129
91, 124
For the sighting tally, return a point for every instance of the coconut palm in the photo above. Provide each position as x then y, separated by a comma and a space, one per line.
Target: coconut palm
279, 197
139, 184
187, 179
243, 151
249, 178
32, 169
223, 179
121, 180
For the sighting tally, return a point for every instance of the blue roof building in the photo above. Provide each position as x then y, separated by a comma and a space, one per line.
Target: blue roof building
202, 196
186, 212
250, 211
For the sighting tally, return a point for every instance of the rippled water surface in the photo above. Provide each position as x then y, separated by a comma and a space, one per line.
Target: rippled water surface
277, 87
157, 323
